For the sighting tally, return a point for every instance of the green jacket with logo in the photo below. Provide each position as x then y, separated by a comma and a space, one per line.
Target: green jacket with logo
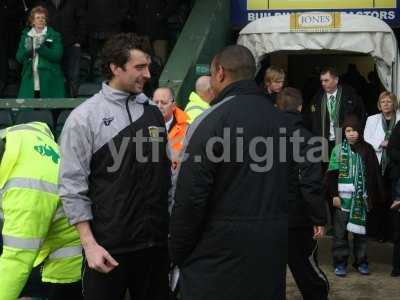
50, 74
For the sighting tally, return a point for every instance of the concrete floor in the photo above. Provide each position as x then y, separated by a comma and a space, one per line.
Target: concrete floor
377, 286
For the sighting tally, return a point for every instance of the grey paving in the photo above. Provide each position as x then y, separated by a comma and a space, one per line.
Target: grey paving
377, 286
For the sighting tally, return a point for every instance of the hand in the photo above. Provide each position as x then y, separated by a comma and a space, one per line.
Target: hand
99, 259
336, 202
319, 232
384, 144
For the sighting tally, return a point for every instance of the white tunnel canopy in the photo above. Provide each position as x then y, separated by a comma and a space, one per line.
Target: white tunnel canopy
356, 33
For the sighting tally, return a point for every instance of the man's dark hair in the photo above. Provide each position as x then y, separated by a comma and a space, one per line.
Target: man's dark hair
330, 70
237, 61
289, 99
117, 51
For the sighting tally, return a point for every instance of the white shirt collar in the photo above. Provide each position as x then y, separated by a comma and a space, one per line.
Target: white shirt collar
328, 95
33, 32
168, 123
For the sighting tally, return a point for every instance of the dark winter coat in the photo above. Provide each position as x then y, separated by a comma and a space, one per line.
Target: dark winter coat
50, 74
67, 19
394, 152
229, 225
307, 206
351, 103
271, 97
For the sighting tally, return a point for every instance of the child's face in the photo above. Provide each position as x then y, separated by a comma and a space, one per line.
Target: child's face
351, 135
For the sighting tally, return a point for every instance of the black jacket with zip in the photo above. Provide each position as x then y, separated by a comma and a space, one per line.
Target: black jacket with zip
307, 206
229, 225
115, 172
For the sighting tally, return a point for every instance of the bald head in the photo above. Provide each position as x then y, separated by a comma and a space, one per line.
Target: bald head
203, 88
163, 97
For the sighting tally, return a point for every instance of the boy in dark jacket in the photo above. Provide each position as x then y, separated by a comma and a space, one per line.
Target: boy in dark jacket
354, 185
307, 209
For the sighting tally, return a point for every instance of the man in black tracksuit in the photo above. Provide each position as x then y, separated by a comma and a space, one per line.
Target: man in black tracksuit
307, 209
114, 180
228, 231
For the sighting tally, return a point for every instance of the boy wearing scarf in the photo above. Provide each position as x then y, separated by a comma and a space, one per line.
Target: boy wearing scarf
354, 185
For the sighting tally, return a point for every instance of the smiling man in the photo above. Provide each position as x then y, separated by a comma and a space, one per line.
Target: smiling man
112, 182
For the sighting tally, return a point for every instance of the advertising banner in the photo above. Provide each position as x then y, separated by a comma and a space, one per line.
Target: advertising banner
245, 11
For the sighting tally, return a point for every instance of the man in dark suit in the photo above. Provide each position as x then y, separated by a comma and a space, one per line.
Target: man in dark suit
327, 109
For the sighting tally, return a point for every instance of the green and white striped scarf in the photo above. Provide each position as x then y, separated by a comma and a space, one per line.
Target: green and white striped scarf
352, 188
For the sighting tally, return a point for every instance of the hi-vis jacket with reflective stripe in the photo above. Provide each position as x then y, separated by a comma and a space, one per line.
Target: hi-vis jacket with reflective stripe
195, 107
35, 229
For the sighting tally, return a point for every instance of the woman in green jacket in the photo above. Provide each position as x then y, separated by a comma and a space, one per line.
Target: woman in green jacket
40, 52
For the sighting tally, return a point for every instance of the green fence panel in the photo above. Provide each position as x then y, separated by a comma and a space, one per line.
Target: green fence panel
207, 30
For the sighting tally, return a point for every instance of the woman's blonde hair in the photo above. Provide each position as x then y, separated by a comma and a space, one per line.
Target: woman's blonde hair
274, 74
389, 95
37, 10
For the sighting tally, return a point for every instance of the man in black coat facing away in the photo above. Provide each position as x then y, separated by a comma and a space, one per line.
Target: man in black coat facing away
307, 210
326, 112
229, 224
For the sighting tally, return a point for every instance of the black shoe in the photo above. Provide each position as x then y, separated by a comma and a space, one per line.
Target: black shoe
395, 273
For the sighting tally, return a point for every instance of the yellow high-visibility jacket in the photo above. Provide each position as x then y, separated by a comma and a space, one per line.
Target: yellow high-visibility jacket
35, 228
195, 107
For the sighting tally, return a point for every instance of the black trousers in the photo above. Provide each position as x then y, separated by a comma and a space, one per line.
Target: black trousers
396, 240
34, 287
303, 264
65, 291
144, 273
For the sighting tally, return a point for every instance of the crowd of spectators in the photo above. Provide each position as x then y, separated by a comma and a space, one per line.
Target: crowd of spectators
83, 27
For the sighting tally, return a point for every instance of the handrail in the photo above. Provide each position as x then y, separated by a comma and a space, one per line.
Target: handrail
45, 103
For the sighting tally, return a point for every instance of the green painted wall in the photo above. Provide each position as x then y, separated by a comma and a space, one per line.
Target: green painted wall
207, 30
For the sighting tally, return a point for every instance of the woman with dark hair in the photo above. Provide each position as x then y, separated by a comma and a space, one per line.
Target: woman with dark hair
40, 52
355, 186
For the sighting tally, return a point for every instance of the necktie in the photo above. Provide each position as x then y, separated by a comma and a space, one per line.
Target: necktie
332, 107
